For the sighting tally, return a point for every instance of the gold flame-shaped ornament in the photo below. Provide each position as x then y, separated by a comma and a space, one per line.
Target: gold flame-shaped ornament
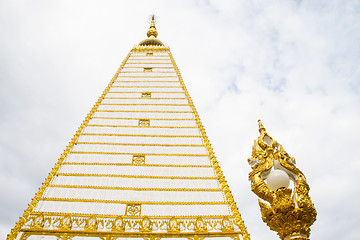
291, 211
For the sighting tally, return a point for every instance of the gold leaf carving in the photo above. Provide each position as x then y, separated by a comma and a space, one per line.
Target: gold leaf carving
288, 214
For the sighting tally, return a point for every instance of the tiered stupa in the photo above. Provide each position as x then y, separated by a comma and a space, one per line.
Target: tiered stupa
139, 167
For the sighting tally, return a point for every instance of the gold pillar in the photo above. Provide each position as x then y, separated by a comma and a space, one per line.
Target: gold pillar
291, 212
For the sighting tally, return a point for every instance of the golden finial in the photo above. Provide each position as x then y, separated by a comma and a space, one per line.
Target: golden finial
261, 127
152, 31
152, 34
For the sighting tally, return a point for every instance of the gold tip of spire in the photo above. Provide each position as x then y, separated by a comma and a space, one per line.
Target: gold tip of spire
152, 34
152, 31
261, 127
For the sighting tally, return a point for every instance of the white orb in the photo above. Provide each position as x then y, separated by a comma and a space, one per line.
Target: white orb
278, 179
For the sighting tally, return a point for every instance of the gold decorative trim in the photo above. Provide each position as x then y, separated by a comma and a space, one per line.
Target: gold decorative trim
15, 231
131, 164
147, 235
148, 154
132, 217
217, 169
140, 189
146, 95
142, 123
127, 126
133, 209
129, 224
139, 48
131, 202
131, 176
138, 159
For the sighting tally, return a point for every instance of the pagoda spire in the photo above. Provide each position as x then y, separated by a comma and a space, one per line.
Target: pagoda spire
152, 34
140, 166
152, 31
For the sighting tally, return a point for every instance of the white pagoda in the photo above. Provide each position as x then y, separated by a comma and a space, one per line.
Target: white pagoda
140, 166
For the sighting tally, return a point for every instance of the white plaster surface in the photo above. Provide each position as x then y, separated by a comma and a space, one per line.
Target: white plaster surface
135, 122
171, 108
134, 195
136, 182
140, 140
149, 159
139, 170
144, 101
141, 130
147, 82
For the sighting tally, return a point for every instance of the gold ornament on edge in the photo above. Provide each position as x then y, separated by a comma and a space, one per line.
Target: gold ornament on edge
290, 213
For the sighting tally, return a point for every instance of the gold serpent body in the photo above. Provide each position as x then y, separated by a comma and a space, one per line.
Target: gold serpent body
289, 215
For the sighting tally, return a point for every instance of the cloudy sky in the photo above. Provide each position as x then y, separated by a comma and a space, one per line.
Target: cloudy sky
293, 64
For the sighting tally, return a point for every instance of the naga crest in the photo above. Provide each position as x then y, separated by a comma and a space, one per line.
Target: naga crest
291, 211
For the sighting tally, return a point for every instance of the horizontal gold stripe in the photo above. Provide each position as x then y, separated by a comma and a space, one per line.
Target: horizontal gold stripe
131, 176
144, 144
142, 92
154, 67
145, 104
33, 232
146, 86
146, 71
144, 111
150, 57
138, 98
140, 189
145, 74
165, 62
131, 202
146, 81
137, 135
158, 119
157, 58
140, 165
132, 217
148, 76
126, 126
148, 154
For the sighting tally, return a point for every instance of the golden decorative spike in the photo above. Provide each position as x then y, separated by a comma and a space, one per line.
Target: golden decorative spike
152, 35
261, 127
152, 31
290, 213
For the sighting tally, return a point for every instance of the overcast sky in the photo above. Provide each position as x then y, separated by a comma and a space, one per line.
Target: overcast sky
292, 64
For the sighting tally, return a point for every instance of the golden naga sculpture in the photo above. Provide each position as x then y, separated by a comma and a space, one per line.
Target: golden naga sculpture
290, 213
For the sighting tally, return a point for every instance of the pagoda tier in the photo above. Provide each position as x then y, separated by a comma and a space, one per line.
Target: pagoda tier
140, 166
